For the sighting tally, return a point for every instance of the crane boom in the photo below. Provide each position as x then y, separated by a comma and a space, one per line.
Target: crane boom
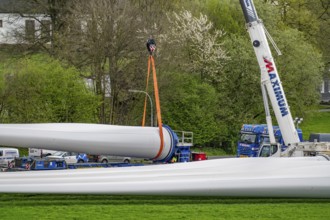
269, 74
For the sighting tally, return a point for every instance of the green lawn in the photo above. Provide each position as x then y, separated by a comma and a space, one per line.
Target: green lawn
318, 123
32, 206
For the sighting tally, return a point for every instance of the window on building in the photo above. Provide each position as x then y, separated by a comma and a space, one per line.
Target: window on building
322, 87
30, 30
1, 24
45, 30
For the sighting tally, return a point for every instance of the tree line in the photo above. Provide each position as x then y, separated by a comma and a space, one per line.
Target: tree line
208, 74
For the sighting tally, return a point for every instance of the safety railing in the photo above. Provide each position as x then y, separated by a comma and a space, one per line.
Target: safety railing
186, 138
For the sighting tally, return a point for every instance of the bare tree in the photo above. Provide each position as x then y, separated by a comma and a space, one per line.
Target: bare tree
101, 38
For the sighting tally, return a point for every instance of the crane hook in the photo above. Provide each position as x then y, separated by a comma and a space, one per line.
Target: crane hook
151, 45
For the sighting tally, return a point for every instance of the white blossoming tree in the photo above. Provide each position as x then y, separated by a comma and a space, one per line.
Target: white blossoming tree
197, 44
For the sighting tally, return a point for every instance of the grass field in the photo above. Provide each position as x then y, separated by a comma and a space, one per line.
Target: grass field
318, 123
32, 206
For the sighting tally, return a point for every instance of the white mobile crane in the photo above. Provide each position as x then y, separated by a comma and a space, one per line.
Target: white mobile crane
271, 85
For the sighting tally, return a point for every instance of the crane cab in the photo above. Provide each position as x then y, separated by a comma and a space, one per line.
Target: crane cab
254, 137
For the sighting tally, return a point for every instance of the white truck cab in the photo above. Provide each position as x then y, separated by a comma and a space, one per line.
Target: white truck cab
7, 155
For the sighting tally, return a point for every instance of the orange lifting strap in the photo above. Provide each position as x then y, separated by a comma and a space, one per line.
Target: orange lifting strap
145, 100
151, 61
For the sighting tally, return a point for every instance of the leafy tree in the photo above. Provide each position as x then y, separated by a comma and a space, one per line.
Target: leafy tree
321, 9
189, 105
226, 15
40, 89
312, 18
239, 88
301, 70
295, 14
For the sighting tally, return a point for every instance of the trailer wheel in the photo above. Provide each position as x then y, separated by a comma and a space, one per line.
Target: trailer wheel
104, 161
126, 161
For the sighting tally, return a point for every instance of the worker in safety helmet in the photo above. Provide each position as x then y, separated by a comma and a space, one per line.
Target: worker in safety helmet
151, 45
174, 159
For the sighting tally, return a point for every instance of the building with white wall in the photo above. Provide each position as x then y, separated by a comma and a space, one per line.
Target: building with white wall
325, 90
18, 26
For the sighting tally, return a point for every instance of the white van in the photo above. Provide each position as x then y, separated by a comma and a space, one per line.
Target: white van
36, 152
7, 155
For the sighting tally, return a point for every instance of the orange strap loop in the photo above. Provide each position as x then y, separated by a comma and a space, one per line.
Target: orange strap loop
151, 61
159, 114
145, 100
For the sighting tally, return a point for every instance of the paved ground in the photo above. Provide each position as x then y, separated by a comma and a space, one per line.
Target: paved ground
324, 110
